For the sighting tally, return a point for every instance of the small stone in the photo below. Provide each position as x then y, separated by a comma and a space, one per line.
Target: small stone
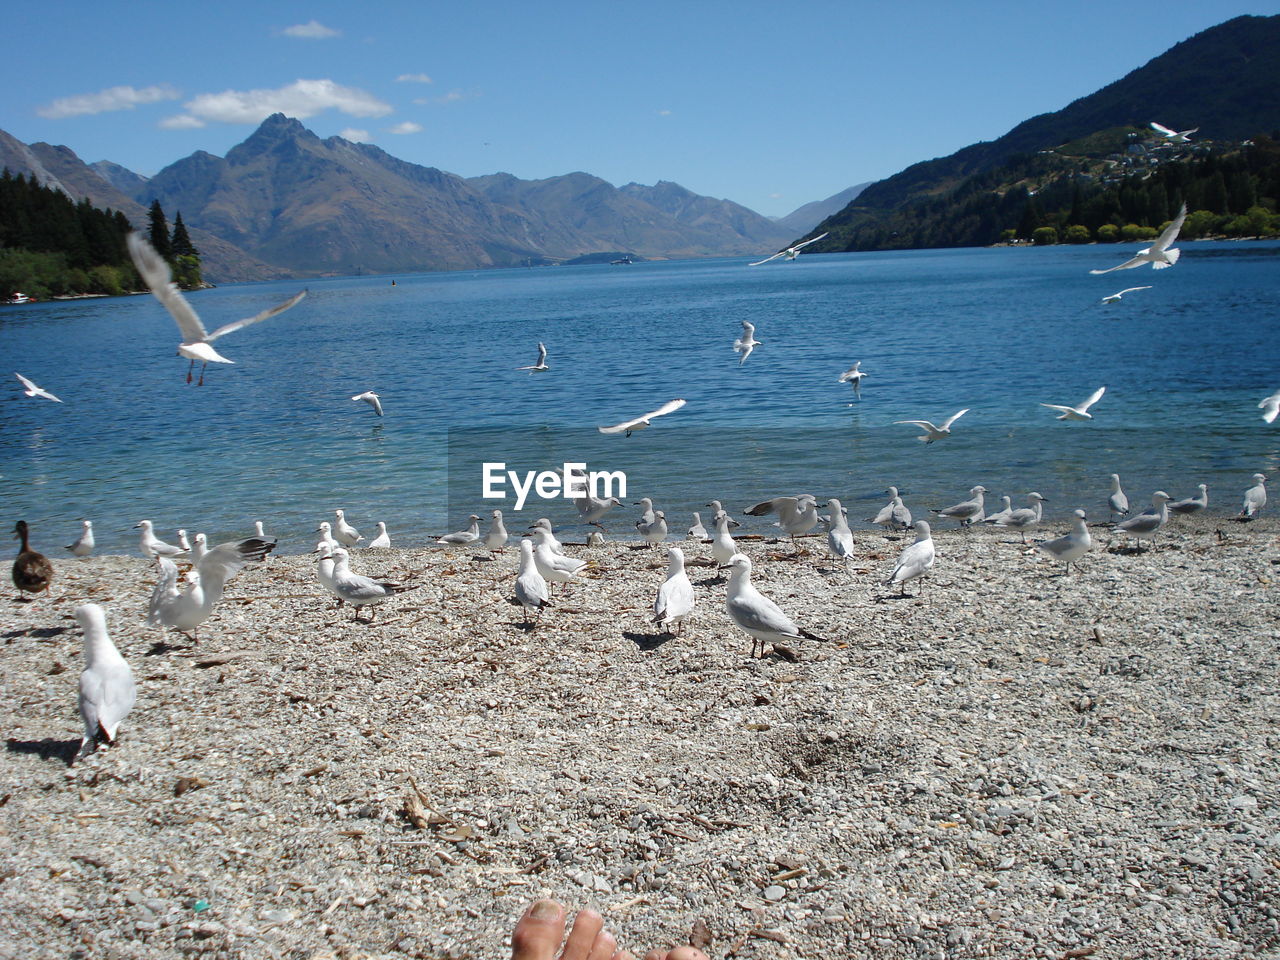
774, 893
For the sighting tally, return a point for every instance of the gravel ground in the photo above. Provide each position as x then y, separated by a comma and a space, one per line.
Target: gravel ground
1016, 764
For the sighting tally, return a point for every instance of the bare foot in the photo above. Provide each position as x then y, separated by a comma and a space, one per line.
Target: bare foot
539, 933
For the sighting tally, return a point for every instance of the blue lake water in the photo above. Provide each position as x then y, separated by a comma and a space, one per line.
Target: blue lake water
275, 437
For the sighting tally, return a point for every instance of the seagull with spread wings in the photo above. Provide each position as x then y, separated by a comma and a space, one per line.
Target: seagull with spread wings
791, 252
1158, 254
639, 423
541, 365
939, 432
31, 390
1115, 297
372, 399
1080, 411
197, 343
1173, 136
746, 343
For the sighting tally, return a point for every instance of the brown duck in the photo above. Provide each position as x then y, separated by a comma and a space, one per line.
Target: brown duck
32, 572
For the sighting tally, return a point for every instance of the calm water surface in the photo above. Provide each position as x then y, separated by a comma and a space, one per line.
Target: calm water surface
275, 437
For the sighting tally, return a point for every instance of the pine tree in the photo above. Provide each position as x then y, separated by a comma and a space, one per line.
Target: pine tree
180, 242
159, 230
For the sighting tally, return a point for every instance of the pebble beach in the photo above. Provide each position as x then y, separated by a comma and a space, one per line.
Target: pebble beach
1008, 762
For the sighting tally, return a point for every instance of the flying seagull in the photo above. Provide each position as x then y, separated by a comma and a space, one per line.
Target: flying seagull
791, 252
1079, 412
1158, 254
1115, 297
853, 376
1173, 136
747, 342
541, 365
197, 343
372, 399
1270, 407
939, 432
639, 423
31, 390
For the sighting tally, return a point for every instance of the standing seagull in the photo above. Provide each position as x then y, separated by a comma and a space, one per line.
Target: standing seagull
382, 541
84, 544
1080, 411
553, 567
531, 588
197, 343
32, 571
1192, 504
1147, 524
1115, 297
1270, 407
343, 532
1071, 547
1158, 254
933, 433
1118, 501
31, 390
755, 613
372, 399
697, 531
791, 252
1255, 498
894, 515
654, 530
496, 536
107, 688
967, 511
746, 343
1028, 518
722, 546
916, 559
675, 597
541, 366
153, 546
185, 609
360, 591
639, 423
853, 376
463, 537
839, 536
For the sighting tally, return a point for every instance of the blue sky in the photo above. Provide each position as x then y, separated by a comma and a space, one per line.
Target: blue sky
771, 105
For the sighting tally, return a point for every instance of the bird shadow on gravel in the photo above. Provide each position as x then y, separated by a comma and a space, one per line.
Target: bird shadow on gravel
647, 642
36, 633
46, 749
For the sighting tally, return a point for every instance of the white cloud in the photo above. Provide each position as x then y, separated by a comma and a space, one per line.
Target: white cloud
355, 135
407, 127
664, 113
300, 99
181, 121
413, 78
311, 30
105, 101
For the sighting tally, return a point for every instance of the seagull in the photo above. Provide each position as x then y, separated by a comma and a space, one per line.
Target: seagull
84, 543
153, 546
372, 399
675, 597
382, 541
595, 539
1118, 502
327, 540
722, 546
591, 509
1115, 297
360, 591
755, 613
1255, 498
185, 545
31, 390
541, 366
197, 343
639, 423
553, 567
462, 537
936, 433
655, 530
184, 609
1079, 412
966, 511
791, 252
1005, 510
1073, 546
324, 568
853, 376
839, 536
916, 559
496, 536
1146, 524
1173, 136
796, 515
1270, 407
531, 588
107, 687
343, 532
1158, 254
32, 571
697, 531
746, 343
718, 507
1192, 504
1027, 518
199, 548
543, 524
894, 515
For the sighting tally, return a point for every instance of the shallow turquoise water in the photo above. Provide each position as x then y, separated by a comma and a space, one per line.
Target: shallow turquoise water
275, 437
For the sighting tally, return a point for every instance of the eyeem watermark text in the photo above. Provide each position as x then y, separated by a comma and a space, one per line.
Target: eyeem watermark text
573, 482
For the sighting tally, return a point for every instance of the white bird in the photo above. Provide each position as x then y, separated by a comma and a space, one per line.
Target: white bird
1158, 254
966, 511
543, 524
1173, 136
718, 509
1079, 412
184, 609
722, 546
1004, 511
199, 548
382, 541
894, 515
84, 543
746, 343
1192, 504
496, 537
324, 568
183, 543
647, 514
592, 509
639, 423
791, 252
197, 343
916, 559
1270, 407
554, 567
1115, 297
153, 546
595, 539
839, 536
796, 515
1027, 518
541, 365
259, 531
1118, 502
1147, 524
1255, 498
1073, 546
755, 613
853, 376
107, 687
675, 597
697, 531
31, 390
936, 432
531, 588
360, 591
343, 532
655, 530
372, 399
462, 537
327, 539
